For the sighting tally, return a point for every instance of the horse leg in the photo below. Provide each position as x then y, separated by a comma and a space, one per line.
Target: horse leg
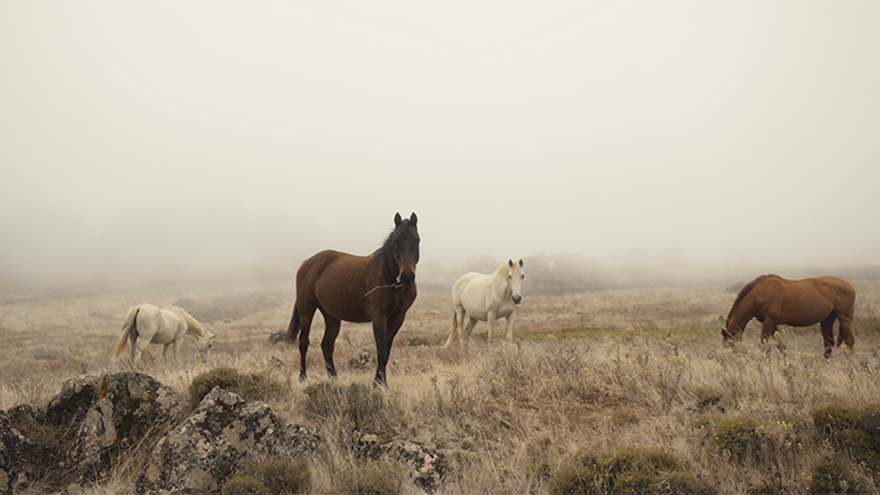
383, 349
472, 322
305, 325
844, 330
768, 329
491, 321
827, 326
328, 344
383, 344
510, 318
178, 345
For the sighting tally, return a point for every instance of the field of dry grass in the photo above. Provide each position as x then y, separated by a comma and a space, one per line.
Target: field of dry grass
590, 375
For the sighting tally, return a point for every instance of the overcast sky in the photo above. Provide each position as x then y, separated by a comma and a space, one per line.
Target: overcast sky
718, 132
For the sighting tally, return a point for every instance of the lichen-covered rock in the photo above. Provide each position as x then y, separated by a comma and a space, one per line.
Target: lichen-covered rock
13, 447
364, 358
73, 402
199, 455
127, 408
424, 468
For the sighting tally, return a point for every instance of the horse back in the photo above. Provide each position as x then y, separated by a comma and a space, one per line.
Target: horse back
475, 292
842, 294
806, 301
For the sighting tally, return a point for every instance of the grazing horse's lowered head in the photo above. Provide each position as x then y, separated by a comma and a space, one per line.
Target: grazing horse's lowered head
405, 248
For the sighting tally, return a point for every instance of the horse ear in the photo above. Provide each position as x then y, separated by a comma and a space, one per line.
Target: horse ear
520, 263
510, 263
413, 219
397, 219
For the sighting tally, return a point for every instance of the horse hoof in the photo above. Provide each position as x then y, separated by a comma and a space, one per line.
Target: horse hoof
302, 377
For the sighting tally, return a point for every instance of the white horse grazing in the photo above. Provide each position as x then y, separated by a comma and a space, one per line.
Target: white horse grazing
146, 324
486, 298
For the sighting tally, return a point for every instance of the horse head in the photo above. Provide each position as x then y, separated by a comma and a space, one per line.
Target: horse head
515, 277
405, 239
729, 339
204, 343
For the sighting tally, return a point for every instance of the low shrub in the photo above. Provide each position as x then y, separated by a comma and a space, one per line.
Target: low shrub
627, 471
242, 484
835, 476
740, 437
373, 478
849, 430
280, 475
251, 386
364, 405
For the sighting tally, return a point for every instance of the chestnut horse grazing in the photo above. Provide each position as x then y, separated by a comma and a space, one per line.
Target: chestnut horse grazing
379, 288
774, 301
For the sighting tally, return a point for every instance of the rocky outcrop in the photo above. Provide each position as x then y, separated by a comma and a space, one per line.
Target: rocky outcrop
79, 435
127, 408
204, 451
82, 433
14, 445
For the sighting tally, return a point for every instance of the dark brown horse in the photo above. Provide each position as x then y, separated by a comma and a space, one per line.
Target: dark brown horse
774, 301
379, 288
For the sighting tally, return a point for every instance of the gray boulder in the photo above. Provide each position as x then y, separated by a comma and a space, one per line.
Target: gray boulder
128, 408
423, 467
79, 434
14, 446
204, 451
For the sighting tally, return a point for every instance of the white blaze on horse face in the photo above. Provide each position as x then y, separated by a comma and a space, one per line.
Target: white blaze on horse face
515, 278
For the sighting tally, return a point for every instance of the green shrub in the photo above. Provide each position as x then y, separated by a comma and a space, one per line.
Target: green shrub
373, 478
869, 423
627, 471
849, 430
740, 437
835, 476
832, 419
243, 484
251, 386
281, 475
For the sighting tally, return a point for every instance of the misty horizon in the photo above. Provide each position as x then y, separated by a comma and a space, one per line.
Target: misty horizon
191, 142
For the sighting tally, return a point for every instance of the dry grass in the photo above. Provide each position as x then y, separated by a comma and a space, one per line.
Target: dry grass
589, 374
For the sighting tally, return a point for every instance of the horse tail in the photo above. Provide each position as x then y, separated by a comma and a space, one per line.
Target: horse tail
454, 332
293, 329
128, 327
743, 293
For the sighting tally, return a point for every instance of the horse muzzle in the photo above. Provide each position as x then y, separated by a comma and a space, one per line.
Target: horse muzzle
407, 278
517, 299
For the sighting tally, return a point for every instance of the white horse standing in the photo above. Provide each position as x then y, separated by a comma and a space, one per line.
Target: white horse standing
486, 298
146, 324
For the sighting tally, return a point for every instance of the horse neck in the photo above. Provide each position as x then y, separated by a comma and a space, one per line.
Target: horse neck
739, 316
194, 328
385, 263
500, 282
